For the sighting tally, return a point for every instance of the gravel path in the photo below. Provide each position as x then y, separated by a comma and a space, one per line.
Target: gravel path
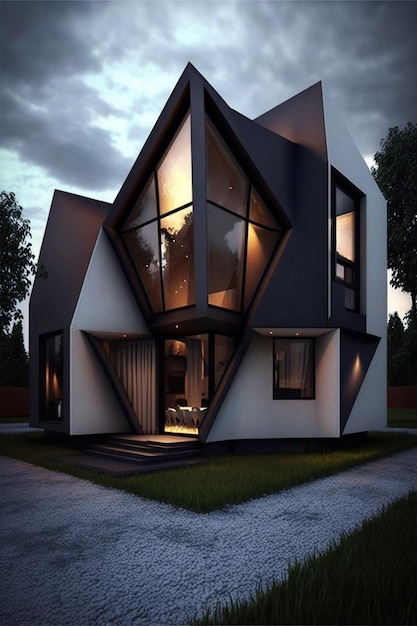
79, 554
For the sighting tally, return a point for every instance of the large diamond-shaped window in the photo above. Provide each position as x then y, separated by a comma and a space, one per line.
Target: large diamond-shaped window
241, 236
159, 230
242, 233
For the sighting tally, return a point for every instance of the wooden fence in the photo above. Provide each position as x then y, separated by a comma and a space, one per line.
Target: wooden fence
402, 397
14, 401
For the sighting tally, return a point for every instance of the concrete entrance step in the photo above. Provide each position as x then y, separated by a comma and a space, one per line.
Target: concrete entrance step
132, 454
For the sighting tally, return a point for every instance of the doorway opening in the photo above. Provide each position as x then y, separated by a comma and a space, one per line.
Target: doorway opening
193, 366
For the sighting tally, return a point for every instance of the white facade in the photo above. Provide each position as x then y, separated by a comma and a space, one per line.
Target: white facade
105, 306
249, 411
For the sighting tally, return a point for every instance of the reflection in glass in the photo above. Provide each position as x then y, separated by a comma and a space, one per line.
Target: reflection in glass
344, 203
226, 234
145, 208
177, 254
259, 213
226, 183
143, 245
53, 360
261, 244
174, 172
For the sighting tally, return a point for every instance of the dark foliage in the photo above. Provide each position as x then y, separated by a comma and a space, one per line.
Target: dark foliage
14, 361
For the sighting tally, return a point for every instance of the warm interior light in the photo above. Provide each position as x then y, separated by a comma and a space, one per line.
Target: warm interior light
345, 235
174, 173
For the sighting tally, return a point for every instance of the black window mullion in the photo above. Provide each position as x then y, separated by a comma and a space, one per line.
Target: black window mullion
158, 212
245, 248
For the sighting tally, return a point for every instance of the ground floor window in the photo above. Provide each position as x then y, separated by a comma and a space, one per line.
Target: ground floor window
293, 369
52, 357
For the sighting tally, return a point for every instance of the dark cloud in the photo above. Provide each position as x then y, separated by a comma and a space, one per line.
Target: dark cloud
43, 39
256, 54
48, 114
65, 145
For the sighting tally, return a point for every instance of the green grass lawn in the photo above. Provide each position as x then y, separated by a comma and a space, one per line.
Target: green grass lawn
402, 418
369, 577
216, 484
14, 420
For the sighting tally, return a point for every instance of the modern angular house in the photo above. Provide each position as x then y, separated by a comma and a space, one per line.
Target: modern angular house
234, 291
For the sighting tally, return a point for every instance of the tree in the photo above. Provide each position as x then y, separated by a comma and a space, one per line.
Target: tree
16, 259
402, 350
14, 367
410, 349
395, 349
396, 175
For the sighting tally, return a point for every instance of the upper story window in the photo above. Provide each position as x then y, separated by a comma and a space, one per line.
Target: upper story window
242, 234
159, 231
346, 242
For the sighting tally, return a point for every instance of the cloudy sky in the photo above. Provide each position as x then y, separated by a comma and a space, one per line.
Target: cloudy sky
83, 82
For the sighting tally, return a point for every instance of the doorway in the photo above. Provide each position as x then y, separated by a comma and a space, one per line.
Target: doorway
193, 367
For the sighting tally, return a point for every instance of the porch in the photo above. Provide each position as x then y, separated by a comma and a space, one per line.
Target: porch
121, 455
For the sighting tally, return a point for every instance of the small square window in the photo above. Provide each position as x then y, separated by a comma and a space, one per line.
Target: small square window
294, 369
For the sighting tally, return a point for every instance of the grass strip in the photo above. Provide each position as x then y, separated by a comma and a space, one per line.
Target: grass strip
368, 577
14, 420
402, 418
220, 482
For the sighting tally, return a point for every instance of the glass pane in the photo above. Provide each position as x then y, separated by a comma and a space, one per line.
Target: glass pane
261, 244
344, 203
345, 236
174, 172
177, 254
226, 233
223, 350
53, 377
340, 271
226, 183
294, 369
350, 299
143, 246
259, 213
145, 207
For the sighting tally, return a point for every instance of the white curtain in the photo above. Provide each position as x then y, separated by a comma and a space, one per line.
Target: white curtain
294, 360
299, 364
135, 365
195, 372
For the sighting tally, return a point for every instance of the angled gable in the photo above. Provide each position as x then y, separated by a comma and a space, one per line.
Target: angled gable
199, 218
300, 120
70, 235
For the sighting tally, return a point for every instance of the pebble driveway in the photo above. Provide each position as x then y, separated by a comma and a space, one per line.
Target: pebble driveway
79, 554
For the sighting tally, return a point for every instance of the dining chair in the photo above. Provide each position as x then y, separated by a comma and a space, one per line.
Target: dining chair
196, 415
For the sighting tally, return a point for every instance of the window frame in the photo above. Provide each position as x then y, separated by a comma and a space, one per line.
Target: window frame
285, 393
246, 290
354, 267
